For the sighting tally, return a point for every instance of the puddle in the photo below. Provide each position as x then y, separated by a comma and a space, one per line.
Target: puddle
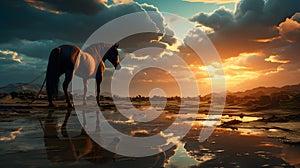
182, 159
251, 132
227, 118
212, 120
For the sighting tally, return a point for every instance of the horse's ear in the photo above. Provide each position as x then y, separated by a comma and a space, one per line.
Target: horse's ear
116, 45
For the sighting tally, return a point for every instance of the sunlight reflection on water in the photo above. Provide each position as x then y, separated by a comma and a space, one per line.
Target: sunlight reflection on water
31, 148
181, 158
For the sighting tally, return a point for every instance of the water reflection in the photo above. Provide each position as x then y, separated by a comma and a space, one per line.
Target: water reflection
181, 159
222, 149
241, 117
212, 120
231, 149
63, 148
71, 149
64, 142
12, 135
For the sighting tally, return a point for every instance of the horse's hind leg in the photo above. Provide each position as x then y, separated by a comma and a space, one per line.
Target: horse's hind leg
98, 82
85, 84
68, 78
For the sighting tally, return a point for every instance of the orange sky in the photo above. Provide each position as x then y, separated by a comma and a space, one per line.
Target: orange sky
248, 61
258, 41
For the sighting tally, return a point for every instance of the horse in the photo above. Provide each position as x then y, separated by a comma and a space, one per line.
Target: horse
87, 64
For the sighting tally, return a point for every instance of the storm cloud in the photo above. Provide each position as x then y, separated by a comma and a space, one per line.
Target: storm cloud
88, 7
23, 21
252, 20
32, 28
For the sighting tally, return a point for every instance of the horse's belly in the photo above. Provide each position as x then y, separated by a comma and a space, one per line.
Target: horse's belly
85, 70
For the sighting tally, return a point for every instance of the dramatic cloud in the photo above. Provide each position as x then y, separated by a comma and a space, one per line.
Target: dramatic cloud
290, 29
259, 41
217, 20
238, 31
32, 28
7, 55
122, 1
16, 67
79, 6
213, 1
36, 49
28, 23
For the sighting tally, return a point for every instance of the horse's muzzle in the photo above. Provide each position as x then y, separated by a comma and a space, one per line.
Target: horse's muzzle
118, 67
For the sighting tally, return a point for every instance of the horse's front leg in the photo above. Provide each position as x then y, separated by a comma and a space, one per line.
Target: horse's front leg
50, 100
68, 79
99, 76
98, 80
85, 85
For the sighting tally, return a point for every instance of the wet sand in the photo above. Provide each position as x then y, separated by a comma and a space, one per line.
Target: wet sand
38, 136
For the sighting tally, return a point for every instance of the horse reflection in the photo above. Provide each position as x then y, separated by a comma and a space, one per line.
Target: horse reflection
61, 147
70, 149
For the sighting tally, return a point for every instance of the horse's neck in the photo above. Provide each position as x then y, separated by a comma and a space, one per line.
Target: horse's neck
86, 55
97, 51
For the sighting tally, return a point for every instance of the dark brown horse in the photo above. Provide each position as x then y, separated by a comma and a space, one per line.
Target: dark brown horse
70, 60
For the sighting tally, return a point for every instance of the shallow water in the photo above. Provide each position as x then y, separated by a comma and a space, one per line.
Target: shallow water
181, 158
55, 138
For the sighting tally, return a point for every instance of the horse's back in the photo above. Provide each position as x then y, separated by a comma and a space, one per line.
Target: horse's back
69, 53
70, 57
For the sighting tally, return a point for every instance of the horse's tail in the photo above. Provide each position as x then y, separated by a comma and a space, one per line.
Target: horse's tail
52, 76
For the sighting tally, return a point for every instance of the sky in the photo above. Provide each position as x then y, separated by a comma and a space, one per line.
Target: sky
258, 41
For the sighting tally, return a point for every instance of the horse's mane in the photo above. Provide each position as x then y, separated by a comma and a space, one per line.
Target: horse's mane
98, 50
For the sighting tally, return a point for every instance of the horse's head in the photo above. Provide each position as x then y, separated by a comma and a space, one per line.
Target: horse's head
113, 56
